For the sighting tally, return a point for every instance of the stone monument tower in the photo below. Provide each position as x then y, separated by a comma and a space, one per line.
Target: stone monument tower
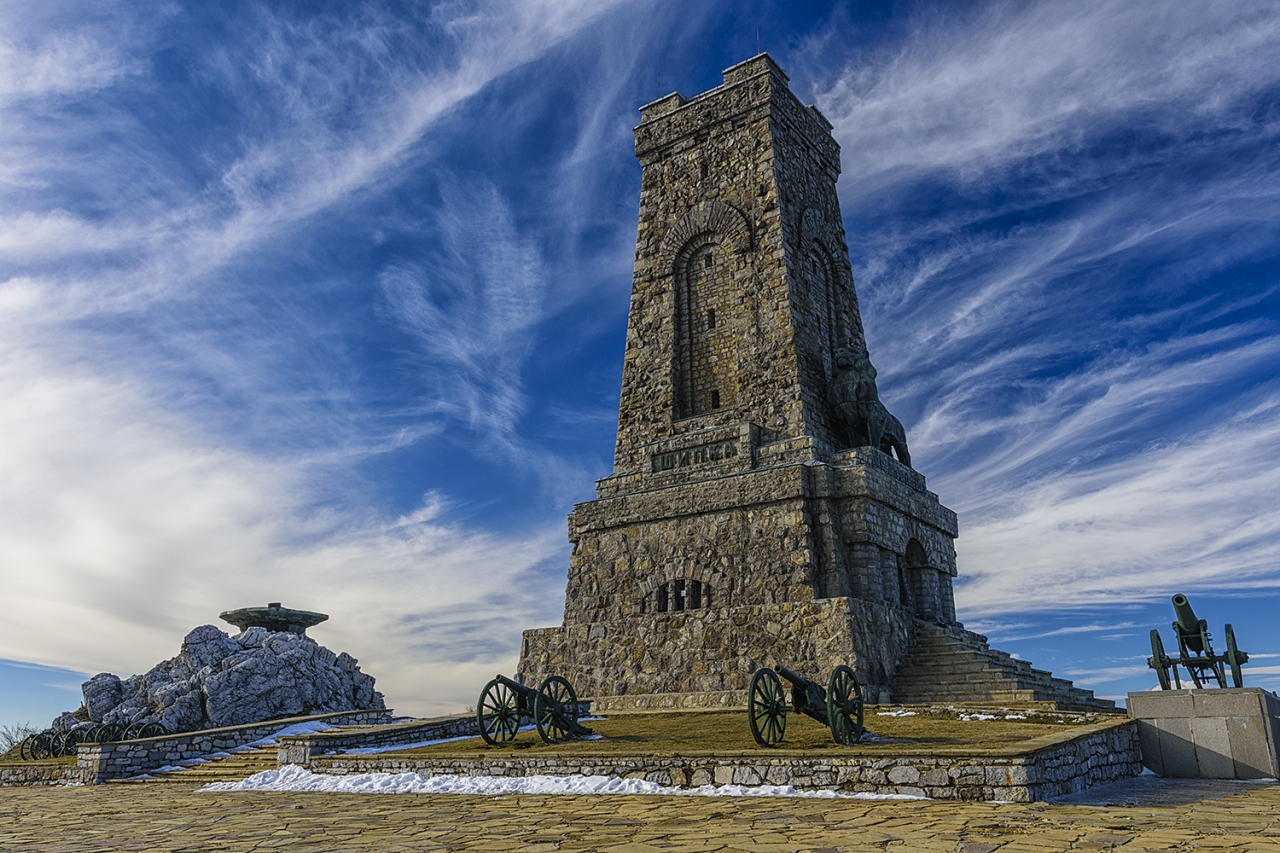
756, 514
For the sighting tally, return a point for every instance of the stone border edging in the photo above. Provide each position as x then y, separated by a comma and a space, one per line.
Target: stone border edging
300, 749
98, 762
1039, 769
34, 773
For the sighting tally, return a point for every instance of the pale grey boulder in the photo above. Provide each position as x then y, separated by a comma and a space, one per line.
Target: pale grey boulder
101, 693
218, 680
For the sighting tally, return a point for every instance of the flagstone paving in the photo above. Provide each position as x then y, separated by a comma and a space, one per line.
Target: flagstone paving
177, 817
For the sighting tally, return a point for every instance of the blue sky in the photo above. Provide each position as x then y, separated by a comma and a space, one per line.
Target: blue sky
325, 304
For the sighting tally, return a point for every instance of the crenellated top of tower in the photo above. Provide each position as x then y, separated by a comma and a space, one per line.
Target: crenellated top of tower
747, 86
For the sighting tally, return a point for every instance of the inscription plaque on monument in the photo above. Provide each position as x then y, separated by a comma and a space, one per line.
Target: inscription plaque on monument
761, 506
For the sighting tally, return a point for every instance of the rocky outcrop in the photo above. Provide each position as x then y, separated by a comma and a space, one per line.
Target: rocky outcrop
217, 680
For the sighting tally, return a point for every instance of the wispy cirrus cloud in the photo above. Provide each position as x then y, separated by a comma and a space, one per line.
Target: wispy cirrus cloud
1062, 222
188, 406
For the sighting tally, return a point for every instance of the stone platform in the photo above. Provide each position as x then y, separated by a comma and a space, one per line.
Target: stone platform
1224, 733
1052, 765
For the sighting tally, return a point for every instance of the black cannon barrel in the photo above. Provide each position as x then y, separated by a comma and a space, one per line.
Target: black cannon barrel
794, 678
1188, 626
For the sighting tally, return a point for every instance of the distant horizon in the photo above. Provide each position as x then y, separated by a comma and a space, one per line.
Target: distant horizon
327, 305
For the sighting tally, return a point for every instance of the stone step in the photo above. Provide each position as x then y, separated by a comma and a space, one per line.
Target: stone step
946, 664
232, 768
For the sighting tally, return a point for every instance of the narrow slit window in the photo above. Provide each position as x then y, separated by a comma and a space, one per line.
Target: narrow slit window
715, 399
695, 595
662, 599
711, 318
679, 596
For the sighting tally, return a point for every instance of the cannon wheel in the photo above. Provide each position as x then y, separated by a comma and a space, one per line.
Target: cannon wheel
1234, 658
555, 710
152, 730
41, 746
1159, 661
844, 706
766, 707
65, 743
497, 713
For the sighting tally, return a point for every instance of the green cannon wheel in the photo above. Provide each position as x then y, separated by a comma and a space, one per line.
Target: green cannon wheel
63, 744
844, 706
497, 713
1159, 661
108, 732
767, 707
555, 710
138, 731
1235, 657
39, 746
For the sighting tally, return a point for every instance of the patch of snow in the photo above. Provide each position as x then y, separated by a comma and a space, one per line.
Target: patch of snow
294, 778
295, 729
971, 717
896, 713
871, 737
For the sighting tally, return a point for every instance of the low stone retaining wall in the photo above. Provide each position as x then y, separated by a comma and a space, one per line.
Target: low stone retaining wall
37, 773
300, 749
640, 703
98, 762
1040, 769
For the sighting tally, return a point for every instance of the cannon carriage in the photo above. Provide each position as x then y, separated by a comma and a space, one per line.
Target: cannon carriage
553, 707
50, 744
839, 706
1195, 652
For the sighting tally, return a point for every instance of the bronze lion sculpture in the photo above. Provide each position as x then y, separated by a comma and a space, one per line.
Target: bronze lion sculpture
855, 400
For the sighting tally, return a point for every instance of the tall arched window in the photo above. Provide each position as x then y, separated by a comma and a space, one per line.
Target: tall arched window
704, 353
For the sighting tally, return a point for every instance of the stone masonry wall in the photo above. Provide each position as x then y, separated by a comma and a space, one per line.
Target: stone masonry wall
1066, 764
717, 649
99, 762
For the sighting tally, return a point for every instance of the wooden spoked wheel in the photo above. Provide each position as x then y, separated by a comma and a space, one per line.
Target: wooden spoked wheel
767, 707
555, 710
844, 706
38, 747
1159, 662
497, 713
1234, 658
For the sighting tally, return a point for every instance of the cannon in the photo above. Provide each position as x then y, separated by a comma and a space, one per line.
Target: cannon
839, 706
1195, 652
553, 707
51, 744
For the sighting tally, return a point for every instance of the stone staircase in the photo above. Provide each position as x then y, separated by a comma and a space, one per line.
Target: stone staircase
232, 768
947, 665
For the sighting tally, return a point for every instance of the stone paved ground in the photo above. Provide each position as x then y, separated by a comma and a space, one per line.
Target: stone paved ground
174, 817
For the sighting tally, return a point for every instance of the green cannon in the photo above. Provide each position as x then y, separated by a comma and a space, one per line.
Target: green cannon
839, 707
553, 707
1195, 651
50, 744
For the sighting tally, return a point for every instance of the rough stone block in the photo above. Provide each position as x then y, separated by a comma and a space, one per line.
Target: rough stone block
1231, 733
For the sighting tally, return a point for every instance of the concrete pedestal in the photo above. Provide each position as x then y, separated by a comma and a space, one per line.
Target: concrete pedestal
1209, 734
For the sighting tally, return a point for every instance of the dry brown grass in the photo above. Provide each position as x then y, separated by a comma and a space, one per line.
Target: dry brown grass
729, 732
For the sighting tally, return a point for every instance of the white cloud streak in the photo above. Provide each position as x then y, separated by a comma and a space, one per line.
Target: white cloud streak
1080, 383
144, 489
